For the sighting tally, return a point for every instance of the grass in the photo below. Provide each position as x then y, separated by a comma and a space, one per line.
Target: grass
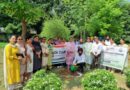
70, 82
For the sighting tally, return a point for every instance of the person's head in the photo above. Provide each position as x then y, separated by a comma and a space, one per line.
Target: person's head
44, 39
103, 42
50, 41
88, 39
107, 37
63, 41
111, 41
96, 39
122, 41
81, 40
12, 39
19, 39
71, 39
36, 38
80, 51
29, 39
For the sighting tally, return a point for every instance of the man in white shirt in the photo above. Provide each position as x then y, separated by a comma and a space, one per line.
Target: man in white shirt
96, 53
80, 60
107, 41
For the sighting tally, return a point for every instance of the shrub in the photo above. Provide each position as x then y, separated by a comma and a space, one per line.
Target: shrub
55, 28
99, 80
127, 73
44, 81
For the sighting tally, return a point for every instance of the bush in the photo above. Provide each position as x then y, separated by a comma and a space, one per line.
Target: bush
44, 81
127, 73
99, 80
55, 28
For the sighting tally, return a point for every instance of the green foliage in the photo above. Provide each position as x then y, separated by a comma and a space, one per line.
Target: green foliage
22, 10
10, 28
44, 81
105, 22
90, 17
126, 21
2, 44
127, 73
55, 28
99, 80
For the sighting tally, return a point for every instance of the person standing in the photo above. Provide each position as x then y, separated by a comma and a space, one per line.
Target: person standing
124, 45
70, 53
11, 64
37, 58
22, 50
87, 51
45, 52
96, 52
50, 54
29, 53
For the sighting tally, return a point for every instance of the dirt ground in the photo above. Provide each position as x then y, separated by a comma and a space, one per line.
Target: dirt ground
70, 82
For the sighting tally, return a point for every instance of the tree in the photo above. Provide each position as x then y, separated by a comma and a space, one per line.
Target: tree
23, 11
55, 28
105, 22
126, 20
100, 17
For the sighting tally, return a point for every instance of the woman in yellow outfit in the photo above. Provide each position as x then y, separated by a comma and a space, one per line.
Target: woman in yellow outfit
11, 65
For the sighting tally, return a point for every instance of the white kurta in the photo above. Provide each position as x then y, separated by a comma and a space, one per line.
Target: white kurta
87, 51
22, 65
45, 50
29, 62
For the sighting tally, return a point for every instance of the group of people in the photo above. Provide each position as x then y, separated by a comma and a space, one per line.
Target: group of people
89, 53
22, 58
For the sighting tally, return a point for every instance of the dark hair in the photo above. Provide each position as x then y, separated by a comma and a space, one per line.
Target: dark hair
80, 49
9, 37
35, 36
19, 36
28, 37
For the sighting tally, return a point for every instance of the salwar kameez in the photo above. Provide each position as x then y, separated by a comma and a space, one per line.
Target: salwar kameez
70, 53
11, 66
37, 57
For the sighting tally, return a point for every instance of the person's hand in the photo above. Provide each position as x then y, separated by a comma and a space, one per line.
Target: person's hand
74, 64
19, 57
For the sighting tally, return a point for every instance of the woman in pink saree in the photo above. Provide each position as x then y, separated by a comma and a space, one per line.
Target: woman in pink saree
70, 53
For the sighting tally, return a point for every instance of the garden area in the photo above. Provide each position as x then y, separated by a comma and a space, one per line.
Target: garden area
59, 79
62, 20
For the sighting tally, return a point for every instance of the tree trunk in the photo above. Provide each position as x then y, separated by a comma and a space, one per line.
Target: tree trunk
24, 29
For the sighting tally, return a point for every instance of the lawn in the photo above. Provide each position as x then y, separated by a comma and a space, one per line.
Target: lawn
70, 82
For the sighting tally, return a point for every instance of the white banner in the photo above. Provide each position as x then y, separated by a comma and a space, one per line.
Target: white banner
59, 54
114, 57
